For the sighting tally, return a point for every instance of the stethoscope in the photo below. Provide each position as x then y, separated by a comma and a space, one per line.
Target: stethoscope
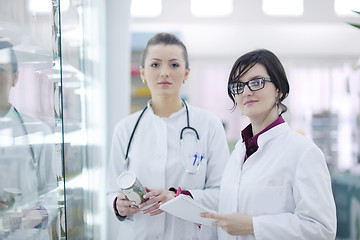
26, 134
190, 152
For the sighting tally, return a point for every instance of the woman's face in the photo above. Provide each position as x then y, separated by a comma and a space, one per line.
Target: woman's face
8, 79
164, 70
257, 105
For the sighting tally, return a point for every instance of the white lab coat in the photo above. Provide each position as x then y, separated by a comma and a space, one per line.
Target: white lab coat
285, 185
36, 182
155, 157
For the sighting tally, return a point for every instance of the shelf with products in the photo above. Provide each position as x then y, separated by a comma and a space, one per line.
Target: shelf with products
140, 93
324, 127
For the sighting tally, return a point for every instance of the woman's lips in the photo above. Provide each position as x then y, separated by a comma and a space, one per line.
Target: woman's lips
247, 103
165, 83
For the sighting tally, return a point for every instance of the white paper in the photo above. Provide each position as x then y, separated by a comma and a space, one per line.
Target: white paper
188, 209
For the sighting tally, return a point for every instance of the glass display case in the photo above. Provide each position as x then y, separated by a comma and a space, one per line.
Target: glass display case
49, 156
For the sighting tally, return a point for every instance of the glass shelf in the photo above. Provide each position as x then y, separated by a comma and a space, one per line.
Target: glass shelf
46, 191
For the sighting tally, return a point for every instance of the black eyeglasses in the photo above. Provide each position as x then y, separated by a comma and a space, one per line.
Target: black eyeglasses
254, 85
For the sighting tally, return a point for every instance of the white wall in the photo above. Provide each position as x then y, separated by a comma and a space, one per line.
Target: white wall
118, 76
318, 41
319, 31
318, 38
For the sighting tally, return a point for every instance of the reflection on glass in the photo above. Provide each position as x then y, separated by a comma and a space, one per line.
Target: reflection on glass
28, 173
44, 139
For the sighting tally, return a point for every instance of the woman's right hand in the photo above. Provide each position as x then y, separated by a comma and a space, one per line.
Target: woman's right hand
123, 206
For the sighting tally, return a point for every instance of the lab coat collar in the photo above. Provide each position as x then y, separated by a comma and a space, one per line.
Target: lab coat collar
174, 115
272, 133
240, 144
266, 136
10, 112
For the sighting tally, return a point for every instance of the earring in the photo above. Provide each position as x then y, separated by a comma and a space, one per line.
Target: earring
184, 81
144, 81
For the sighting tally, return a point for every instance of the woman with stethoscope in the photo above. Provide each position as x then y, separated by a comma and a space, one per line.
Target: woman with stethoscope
169, 144
27, 170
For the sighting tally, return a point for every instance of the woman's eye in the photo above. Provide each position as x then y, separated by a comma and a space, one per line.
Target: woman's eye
174, 65
154, 65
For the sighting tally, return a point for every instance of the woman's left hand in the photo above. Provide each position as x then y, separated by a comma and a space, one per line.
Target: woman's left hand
156, 198
234, 224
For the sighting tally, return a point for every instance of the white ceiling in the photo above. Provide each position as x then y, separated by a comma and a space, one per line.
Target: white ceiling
319, 33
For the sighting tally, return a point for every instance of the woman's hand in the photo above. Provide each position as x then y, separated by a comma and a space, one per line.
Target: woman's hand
3, 204
233, 224
156, 198
123, 206
32, 218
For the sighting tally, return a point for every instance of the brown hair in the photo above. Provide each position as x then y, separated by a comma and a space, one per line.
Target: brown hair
166, 39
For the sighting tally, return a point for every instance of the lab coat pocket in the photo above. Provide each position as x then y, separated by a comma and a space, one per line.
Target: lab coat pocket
267, 200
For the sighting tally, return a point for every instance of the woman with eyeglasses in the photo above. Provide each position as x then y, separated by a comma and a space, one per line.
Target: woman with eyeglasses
171, 146
276, 184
